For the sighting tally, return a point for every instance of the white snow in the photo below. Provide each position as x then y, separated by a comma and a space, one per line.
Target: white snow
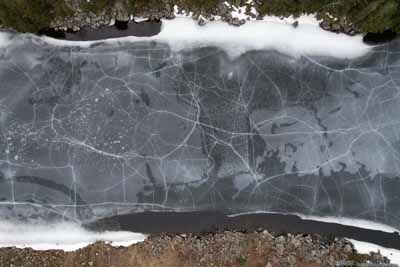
139, 19
64, 236
352, 222
112, 22
238, 12
4, 39
256, 35
365, 248
365, 224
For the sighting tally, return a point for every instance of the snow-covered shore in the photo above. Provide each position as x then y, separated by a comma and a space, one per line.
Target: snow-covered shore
365, 248
306, 39
63, 236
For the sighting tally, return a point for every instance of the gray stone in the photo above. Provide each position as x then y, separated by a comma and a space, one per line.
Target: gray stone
235, 22
201, 22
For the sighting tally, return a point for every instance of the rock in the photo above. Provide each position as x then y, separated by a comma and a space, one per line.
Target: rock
280, 248
347, 248
335, 27
295, 24
377, 258
196, 16
313, 253
122, 16
291, 260
325, 25
295, 242
280, 239
201, 22
267, 235
170, 16
234, 22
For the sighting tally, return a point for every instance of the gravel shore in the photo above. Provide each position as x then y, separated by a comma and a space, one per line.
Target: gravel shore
228, 248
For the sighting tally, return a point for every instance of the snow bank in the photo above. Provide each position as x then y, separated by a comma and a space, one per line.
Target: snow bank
256, 35
305, 39
4, 39
64, 236
365, 224
365, 248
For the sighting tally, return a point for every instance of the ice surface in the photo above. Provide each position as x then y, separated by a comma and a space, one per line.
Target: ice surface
64, 236
112, 128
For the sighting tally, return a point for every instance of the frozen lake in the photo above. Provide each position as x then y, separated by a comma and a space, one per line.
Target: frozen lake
115, 128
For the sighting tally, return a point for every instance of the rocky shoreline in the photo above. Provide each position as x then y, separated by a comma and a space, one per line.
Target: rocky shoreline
223, 11
227, 248
342, 16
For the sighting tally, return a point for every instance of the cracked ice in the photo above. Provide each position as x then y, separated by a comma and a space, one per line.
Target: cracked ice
89, 132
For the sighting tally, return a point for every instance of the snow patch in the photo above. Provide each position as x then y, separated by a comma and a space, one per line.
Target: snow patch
364, 248
306, 39
238, 12
138, 19
63, 236
4, 39
365, 224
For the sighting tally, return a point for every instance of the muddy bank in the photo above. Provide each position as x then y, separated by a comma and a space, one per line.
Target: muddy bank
203, 222
213, 249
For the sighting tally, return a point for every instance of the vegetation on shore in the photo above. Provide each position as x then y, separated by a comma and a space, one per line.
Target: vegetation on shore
31, 15
363, 15
96, 6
